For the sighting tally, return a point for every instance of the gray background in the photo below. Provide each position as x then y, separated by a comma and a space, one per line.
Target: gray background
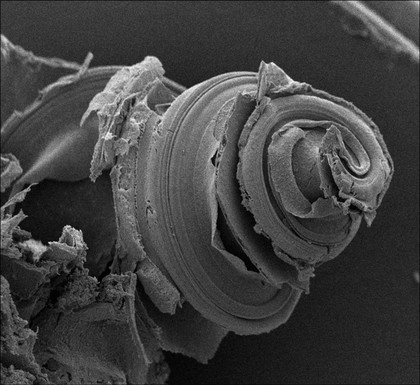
360, 322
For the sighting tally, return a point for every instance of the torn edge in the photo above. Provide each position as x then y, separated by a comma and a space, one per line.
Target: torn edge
17, 341
10, 170
131, 255
113, 104
7, 46
124, 111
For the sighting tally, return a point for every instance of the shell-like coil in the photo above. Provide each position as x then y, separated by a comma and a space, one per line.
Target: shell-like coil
233, 192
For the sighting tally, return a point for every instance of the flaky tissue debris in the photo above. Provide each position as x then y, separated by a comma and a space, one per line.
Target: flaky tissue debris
219, 202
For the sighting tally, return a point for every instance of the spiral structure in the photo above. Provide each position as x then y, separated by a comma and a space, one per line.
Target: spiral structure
225, 199
229, 195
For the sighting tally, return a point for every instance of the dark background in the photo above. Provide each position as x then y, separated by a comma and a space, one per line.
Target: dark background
360, 322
